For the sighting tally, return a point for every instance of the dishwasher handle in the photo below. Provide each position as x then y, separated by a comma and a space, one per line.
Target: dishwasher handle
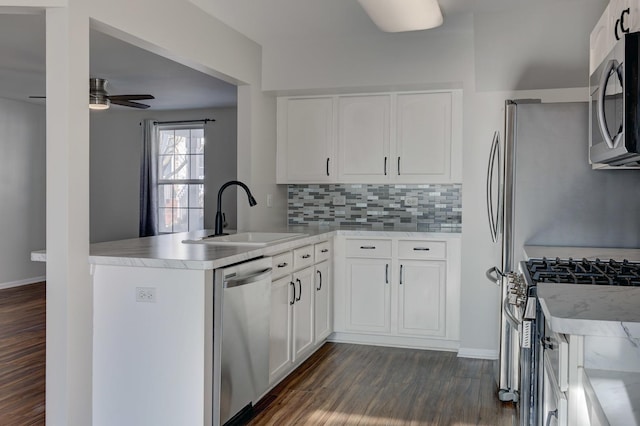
247, 279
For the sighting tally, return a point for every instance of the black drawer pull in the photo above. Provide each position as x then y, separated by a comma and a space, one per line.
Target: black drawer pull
306, 256
324, 250
282, 265
368, 247
421, 248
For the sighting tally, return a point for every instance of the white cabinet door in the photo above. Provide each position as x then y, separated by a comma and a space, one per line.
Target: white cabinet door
305, 140
303, 326
421, 301
280, 328
368, 295
363, 138
322, 301
423, 137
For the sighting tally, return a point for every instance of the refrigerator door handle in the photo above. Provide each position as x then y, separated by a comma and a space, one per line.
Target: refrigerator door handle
494, 275
612, 142
492, 215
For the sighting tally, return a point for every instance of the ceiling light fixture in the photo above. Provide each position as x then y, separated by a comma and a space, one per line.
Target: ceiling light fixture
394, 16
98, 97
96, 103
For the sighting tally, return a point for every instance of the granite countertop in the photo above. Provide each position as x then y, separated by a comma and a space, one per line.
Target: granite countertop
168, 251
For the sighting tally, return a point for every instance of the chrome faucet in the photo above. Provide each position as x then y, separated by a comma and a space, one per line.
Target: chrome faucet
252, 202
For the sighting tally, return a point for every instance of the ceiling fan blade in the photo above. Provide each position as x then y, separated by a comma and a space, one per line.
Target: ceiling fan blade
130, 97
37, 97
128, 103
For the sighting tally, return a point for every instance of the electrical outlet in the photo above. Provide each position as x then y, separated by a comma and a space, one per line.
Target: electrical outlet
269, 200
146, 294
339, 200
411, 201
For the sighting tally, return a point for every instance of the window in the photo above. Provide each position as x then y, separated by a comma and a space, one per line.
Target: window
180, 178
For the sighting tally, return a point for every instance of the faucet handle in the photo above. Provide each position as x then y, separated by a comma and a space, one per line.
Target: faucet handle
224, 220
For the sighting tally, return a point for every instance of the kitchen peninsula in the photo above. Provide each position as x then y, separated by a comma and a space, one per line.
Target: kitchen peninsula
596, 330
158, 311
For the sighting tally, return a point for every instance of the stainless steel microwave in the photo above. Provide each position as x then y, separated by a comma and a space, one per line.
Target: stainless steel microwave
615, 106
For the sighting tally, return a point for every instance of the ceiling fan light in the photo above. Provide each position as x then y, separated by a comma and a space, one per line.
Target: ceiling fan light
98, 103
403, 15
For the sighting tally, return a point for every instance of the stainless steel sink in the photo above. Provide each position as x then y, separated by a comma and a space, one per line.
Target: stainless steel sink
247, 239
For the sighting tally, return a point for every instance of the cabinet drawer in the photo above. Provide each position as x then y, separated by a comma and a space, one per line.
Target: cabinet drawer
323, 251
422, 250
368, 248
282, 264
302, 257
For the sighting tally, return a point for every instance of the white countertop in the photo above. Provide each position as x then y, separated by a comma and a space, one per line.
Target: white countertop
618, 395
589, 310
168, 251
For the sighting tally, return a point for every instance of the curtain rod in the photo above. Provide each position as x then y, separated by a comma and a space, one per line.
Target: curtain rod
204, 120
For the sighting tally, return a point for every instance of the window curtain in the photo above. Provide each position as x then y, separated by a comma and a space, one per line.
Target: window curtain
149, 180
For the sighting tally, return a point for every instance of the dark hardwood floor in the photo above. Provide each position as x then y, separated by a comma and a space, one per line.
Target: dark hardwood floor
22, 355
345, 384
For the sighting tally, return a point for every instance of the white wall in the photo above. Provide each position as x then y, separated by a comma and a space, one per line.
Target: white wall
490, 56
116, 143
209, 46
22, 191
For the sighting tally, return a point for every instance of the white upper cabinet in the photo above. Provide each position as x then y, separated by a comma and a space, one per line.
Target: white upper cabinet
363, 138
619, 17
423, 137
408, 137
306, 140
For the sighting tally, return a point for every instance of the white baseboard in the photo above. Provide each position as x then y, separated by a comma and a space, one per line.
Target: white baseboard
18, 283
477, 353
395, 341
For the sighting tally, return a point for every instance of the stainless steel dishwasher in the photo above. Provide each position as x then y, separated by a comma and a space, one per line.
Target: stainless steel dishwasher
243, 345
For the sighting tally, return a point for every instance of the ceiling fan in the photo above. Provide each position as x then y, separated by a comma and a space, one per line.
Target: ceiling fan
100, 99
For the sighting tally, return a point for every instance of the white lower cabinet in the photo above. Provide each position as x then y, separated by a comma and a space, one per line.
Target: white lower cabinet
368, 295
398, 292
301, 306
303, 312
291, 334
322, 308
280, 325
421, 304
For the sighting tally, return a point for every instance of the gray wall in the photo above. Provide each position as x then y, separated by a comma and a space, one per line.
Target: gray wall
116, 140
22, 191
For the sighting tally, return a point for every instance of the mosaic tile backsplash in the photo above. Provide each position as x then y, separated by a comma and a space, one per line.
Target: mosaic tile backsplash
438, 207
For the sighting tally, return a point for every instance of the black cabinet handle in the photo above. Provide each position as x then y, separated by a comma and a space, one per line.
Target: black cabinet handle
300, 287
421, 248
368, 247
327, 166
398, 166
386, 273
385, 166
319, 276
401, 270
306, 256
615, 29
282, 265
324, 250
622, 28
292, 301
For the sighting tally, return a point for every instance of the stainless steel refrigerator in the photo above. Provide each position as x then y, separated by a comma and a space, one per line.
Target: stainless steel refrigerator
541, 190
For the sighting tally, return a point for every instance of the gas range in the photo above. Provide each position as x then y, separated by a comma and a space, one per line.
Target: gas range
584, 271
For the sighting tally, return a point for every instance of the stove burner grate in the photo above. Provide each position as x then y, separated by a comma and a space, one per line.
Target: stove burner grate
596, 272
